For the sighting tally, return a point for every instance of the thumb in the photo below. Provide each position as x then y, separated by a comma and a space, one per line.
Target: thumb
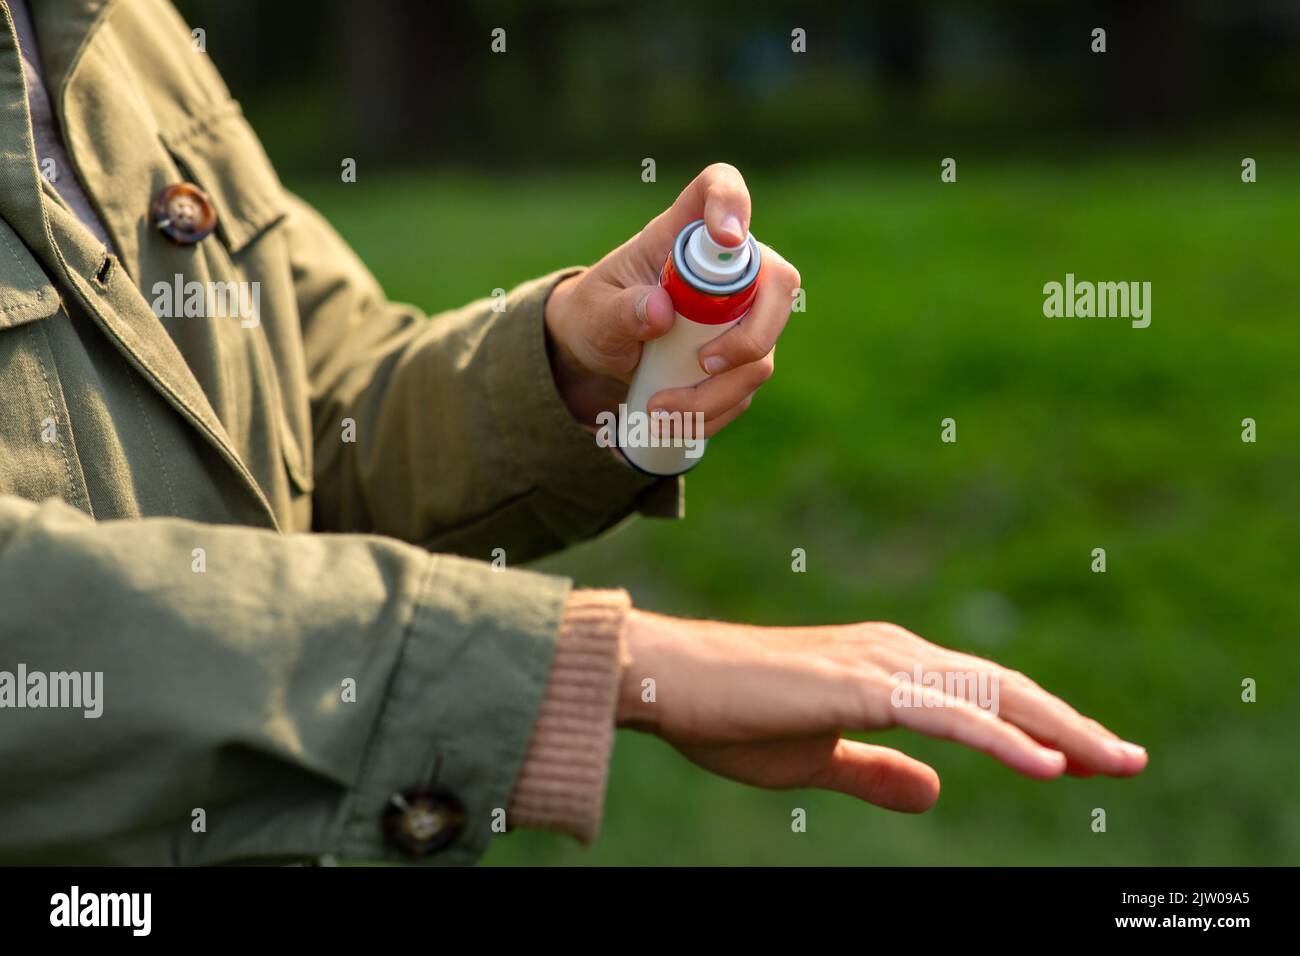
879, 775
643, 312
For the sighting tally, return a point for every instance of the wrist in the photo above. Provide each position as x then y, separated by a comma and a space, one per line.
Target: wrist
647, 642
565, 367
585, 393
555, 311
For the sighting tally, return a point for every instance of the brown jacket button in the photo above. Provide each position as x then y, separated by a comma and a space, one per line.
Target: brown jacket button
184, 213
423, 820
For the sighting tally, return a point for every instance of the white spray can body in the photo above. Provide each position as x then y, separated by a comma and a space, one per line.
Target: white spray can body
712, 287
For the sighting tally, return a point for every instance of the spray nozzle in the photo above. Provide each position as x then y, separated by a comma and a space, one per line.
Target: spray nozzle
713, 262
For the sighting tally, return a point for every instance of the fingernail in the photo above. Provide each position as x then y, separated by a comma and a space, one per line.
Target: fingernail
1128, 749
731, 224
715, 364
640, 310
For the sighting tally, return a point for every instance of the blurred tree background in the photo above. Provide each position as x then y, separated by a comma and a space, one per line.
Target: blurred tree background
478, 170
414, 83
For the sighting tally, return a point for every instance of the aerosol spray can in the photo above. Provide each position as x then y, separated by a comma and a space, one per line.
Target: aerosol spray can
712, 288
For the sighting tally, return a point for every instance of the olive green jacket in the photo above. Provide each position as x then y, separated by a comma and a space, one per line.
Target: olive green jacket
165, 482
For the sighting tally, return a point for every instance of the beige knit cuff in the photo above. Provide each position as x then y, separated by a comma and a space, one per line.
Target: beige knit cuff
562, 783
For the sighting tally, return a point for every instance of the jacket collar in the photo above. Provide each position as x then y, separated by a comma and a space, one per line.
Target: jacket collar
63, 28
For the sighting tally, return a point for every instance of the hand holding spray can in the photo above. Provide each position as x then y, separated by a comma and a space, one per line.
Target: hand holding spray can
712, 287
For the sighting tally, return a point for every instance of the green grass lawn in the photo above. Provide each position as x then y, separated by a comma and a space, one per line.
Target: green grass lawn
925, 302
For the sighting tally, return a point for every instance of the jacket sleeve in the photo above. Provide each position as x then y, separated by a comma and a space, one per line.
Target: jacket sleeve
226, 656
461, 440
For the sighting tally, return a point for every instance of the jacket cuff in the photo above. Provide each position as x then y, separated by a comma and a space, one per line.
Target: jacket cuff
462, 704
562, 783
588, 487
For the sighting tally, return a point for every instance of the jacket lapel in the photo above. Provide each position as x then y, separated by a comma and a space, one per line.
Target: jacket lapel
69, 251
110, 297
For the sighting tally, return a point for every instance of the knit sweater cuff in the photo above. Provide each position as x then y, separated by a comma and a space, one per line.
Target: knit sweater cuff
562, 783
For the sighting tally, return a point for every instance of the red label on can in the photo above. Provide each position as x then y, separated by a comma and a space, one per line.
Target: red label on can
704, 308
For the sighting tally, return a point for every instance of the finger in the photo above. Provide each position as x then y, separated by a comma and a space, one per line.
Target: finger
718, 394
1088, 746
714, 425
755, 335
879, 775
949, 718
718, 195
677, 426
726, 205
